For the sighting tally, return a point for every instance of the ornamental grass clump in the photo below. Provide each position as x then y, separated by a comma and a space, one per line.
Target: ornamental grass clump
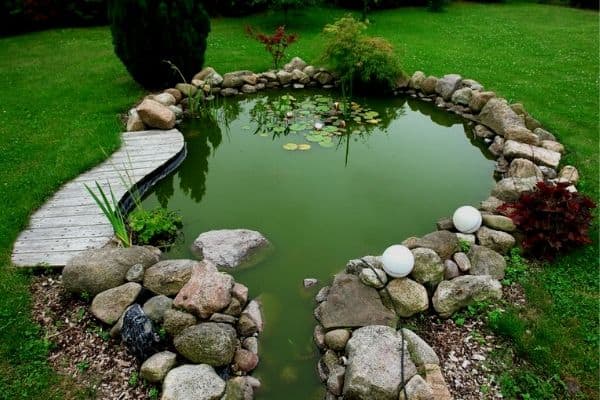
363, 62
552, 219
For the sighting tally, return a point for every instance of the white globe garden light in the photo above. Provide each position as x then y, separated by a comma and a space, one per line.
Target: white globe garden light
467, 219
398, 261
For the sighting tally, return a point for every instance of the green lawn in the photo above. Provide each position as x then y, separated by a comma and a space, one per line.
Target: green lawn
62, 91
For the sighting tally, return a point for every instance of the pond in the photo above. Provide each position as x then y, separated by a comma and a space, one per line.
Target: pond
346, 197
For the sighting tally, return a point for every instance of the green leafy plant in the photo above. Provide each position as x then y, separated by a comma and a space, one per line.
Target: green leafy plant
276, 44
134, 379
111, 210
464, 245
147, 32
516, 266
153, 393
158, 227
82, 366
365, 62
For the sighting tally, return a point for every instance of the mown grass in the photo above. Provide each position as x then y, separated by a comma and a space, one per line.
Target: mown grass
63, 89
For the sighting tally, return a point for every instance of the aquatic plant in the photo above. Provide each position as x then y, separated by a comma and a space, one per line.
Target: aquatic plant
157, 227
110, 208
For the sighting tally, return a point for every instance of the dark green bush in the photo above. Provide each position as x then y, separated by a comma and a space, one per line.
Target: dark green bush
363, 63
27, 15
147, 33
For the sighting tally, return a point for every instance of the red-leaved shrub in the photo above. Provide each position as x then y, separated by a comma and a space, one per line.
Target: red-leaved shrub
552, 219
275, 44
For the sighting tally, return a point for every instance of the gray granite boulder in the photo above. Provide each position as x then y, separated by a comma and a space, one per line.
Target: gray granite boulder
417, 389
523, 168
238, 388
352, 304
198, 382
95, 271
499, 222
497, 115
207, 343
169, 276
156, 306
486, 261
451, 296
109, 305
235, 79
175, 321
416, 79
479, 99
444, 243
206, 292
156, 115
462, 96
337, 339
229, 248
447, 84
539, 155
420, 352
510, 189
295, 63
375, 356
251, 319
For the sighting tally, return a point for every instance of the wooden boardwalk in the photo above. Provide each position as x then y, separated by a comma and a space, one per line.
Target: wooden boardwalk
71, 222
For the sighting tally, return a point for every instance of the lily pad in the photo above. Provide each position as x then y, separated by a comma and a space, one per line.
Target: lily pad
330, 128
314, 138
304, 147
327, 145
290, 146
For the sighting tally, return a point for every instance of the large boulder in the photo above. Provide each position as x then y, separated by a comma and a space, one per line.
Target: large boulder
408, 297
447, 84
95, 271
236, 79
486, 261
207, 343
375, 356
198, 382
238, 388
462, 96
568, 174
134, 122
499, 222
451, 296
229, 248
156, 115
479, 99
210, 76
206, 292
175, 321
498, 241
522, 135
538, 155
429, 84
295, 63
169, 276
109, 305
352, 304
510, 189
498, 115
435, 380
444, 243
416, 79
428, 268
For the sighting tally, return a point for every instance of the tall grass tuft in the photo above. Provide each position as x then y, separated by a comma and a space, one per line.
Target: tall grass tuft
110, 208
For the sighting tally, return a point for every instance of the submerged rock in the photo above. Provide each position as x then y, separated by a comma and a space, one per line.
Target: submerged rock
229, 248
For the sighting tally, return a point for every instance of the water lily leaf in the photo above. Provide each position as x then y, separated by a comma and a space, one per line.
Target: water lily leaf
322, 109
279, 129
314, 137
304, 146
373, 121
330, 128
328, 144
246, 127
296, 127
290, 146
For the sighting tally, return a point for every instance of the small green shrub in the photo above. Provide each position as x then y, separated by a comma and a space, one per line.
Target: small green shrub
158, 227
363, 62
146, 33
464, 245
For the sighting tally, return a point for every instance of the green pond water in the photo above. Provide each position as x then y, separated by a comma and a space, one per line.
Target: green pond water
319, 208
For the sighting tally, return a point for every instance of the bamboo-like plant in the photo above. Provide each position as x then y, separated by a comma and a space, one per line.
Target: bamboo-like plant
110, 208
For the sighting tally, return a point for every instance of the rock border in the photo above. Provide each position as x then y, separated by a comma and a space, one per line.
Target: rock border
452, 269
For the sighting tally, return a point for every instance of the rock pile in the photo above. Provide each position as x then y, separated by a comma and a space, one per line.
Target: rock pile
192, 327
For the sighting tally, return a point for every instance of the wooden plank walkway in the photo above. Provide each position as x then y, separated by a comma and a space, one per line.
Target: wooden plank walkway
71, 222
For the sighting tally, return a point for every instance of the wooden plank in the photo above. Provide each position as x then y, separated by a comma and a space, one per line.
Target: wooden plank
71, 222
60, 245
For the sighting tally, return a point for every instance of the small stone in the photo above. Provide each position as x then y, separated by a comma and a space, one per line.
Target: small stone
109, 305
408, 297
228, 92
224, 318
471, 84
510, 189
295, 64
284, 77
483, 132
491, 204
186, 89
198, 382
324, 78
523, 168
245, 360
498, 241
319, 336
240, 292
238, 388
568, 174
322, 294
462, 261
479, 99
234, 308
376, 278
134, 122
416, 79
251, 320
251, 344
549, 173
499, 222
435, 379
445, 224
336, 339
466, 237
166, 99
521, 134
309, 282
155, 368
450, 270
420, 352
417, 389
135, 273
248, 89
335, 380
485, 261
497, 146
138, 333
544, 134
451, 296
175, 93
175, 321
428, 85
552, 145
462, 96
428, 268
156, 307
447, 84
